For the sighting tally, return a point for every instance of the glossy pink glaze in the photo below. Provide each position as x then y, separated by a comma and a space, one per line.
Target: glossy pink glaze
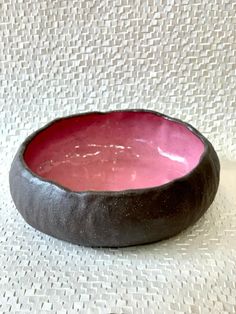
114, 151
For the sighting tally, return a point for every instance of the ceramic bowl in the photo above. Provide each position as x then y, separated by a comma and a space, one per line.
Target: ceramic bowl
114, 179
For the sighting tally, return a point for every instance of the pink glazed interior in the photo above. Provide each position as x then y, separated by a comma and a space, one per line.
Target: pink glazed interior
114, 151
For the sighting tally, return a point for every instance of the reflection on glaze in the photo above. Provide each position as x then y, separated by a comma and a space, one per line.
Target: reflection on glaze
117, 151
171, 156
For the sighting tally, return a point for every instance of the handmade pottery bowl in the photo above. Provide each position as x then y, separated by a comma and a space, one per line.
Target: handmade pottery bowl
114, 179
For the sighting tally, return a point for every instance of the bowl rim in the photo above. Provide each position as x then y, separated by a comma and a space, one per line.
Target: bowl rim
137, 191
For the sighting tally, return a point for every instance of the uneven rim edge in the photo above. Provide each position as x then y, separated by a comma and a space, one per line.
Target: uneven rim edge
23, 146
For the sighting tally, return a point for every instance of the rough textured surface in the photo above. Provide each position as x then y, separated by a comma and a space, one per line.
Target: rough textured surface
194, 271
62, 57
115, 218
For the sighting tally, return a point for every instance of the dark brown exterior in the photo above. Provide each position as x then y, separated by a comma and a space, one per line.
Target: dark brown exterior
115, 219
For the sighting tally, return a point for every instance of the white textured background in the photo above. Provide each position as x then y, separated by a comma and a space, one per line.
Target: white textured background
62, 57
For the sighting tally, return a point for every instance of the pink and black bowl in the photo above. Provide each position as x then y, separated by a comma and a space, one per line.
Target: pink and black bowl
114, 179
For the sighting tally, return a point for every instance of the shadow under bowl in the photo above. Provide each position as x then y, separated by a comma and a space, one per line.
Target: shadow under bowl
114, 179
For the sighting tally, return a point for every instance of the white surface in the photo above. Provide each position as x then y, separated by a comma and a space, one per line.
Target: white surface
63, 57
59, 57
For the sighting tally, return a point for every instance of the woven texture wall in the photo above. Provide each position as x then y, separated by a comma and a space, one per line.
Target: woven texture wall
63, 57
